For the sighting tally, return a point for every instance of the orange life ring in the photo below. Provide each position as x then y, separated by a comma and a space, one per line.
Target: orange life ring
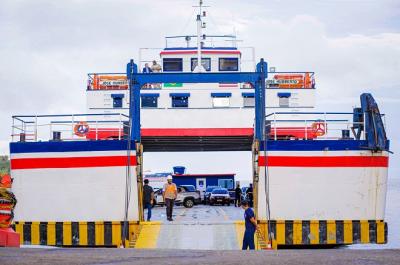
319, 128
81, 129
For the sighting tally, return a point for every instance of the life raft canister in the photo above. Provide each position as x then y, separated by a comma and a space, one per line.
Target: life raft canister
81, 129
319, 128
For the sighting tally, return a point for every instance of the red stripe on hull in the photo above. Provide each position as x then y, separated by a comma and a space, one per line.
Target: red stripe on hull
154, 132
324, 161
71, 162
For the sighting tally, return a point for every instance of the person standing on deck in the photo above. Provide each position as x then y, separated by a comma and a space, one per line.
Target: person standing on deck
249, 193
148, 198
146, 69
250, 223
170, 193
238, 196
155, 68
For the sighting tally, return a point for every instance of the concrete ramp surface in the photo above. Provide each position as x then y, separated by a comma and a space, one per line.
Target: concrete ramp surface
202, 228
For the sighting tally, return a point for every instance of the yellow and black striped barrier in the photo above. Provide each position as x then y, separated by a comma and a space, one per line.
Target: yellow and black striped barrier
75, 234
325, 232
284, 233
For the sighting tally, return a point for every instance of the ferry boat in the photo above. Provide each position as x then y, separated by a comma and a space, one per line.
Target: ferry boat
320, 178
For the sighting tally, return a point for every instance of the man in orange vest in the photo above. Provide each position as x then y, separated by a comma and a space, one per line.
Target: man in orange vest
169, 195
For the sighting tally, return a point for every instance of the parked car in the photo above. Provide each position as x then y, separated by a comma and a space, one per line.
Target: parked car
185, 197
220, 196
207, 193
232, 195
190, 188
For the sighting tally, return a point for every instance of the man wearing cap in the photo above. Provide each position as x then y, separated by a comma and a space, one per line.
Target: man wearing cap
169, 195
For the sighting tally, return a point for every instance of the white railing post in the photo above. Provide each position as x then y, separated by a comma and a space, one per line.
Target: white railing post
119, 129
325, 126
364, 128
275, 137
12, 130
36, 128
24, 128
72, 126
305, 129
97, 130
51, 129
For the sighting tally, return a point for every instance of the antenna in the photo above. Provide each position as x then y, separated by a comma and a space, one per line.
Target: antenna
200, 36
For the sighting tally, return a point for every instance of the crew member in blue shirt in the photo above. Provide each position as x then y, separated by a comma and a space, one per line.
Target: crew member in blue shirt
146, 69
250, 225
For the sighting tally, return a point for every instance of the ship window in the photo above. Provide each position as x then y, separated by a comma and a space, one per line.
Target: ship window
149, 100
226, 183
180, 100
284, 99
172, 65
206, 62
228, 64
248, 100
221, 100
117, 100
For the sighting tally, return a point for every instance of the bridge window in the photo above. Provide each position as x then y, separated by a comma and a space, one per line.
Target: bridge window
117, 100
180, 100
221, 100
228, 64
149, 100
205, 62
172, 65
248, 100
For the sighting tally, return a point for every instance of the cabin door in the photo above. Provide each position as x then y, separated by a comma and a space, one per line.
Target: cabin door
201, 185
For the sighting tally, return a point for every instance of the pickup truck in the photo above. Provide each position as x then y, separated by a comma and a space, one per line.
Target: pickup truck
185, 197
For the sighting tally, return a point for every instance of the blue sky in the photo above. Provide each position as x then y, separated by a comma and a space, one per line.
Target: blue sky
47, 47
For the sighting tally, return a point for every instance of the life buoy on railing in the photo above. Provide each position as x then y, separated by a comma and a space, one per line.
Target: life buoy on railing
319, 128
81, 129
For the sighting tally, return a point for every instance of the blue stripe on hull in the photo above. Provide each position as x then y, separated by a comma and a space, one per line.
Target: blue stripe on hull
315, 145
71, 146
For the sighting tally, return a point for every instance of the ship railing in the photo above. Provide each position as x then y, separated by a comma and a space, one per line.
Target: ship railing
314, 126
69, 127
190, 41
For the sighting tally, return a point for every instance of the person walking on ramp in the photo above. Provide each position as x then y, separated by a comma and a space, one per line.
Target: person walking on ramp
169, 195
148, 198
250, 226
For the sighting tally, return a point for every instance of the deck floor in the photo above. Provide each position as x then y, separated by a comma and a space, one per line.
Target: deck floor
201, 227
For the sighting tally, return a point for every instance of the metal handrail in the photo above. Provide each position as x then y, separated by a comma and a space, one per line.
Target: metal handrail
289, 127
35, 126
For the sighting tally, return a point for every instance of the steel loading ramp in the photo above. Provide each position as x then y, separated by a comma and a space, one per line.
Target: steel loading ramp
201, 227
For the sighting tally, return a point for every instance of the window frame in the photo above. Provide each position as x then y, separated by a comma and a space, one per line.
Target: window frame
228, 58
154, 97
170, 59
202, 59
118, 98
220, 95
181, 96
225, 181
248, 96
